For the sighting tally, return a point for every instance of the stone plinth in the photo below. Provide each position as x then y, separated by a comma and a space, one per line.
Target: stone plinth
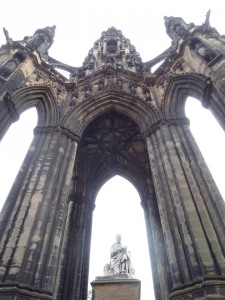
115, 288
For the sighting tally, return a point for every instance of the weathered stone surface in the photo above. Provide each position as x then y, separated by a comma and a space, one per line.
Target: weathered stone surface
113, 116
116, 289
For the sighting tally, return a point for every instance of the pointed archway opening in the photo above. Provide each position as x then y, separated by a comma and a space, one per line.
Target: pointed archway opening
13, 149
118, 210
210, 138
112, 144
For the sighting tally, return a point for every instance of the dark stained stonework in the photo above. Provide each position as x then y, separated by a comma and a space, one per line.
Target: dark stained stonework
112, 116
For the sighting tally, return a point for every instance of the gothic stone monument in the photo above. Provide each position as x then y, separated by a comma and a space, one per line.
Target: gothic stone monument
112, 116
118, 282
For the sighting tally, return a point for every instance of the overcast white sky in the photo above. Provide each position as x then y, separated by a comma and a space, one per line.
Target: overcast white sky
79, 23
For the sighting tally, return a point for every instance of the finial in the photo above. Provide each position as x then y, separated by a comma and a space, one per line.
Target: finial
8, 39
51, 30
207, 23
166, 18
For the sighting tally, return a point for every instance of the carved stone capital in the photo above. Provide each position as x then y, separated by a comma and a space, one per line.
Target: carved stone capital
53, 129
169, 122
75, 199
78, 200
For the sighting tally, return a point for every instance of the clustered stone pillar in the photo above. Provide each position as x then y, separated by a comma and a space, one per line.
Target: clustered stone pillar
191, 213
62, 269
159, 264
34, 216
77, 249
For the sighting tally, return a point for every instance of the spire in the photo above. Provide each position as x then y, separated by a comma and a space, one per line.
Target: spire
206, 24
112, 51
8, 39
47, 31
42, 39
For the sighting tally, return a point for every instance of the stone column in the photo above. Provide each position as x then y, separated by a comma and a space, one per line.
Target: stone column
86, 249
78, 248
34, 216
62, 270
159, 263
191, 213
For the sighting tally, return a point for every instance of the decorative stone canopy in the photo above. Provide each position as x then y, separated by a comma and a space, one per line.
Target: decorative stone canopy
113, 49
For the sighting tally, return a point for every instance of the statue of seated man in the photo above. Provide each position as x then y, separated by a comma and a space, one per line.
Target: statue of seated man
120, 262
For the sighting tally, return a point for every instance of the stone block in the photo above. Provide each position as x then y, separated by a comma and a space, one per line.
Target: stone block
116, 289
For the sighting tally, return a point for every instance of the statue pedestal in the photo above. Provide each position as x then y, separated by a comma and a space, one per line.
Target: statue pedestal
117, 287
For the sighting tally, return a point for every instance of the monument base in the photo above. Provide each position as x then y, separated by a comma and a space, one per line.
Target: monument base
115, 288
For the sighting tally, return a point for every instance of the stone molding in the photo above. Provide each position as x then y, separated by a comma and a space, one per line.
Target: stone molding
169, 122
201, 287
53, 129
82, 200
9, 289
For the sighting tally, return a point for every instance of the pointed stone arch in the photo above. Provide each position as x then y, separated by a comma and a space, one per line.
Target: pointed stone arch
193, 85
40, 96
113, 158
144, 114
111, 144
106, 176
111, 211
178, 89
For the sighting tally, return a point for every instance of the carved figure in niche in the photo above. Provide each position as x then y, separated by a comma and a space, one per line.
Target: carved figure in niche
80, 73
88, 92
9, 68
110, 60
146, 92
120, 260
124, 43
179, 30
101, 84
133, 88
130, 60
138, 62
201, 49
96, 44
206, 53
89, 62
10, 106
11, 65
178, 68
74, 99
119, 83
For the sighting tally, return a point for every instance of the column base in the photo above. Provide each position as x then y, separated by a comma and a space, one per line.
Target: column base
116, 289
12, 291
208, 289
